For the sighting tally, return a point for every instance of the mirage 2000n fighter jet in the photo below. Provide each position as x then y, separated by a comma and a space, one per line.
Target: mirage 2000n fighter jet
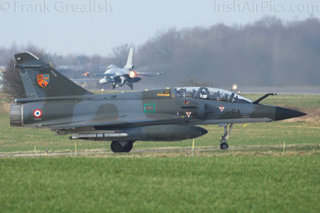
55, 102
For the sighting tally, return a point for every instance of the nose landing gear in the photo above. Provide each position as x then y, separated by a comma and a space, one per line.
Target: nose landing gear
223, 142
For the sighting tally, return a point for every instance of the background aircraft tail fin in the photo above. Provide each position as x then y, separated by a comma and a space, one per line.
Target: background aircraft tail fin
129, 64
41, 80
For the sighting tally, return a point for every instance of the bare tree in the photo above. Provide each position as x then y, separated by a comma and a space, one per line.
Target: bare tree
265, 53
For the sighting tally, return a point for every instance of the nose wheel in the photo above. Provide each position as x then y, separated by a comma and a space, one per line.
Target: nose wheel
227, 131
224, 146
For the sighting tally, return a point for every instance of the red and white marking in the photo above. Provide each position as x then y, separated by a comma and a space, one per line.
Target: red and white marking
221, 108
37, 113
188, 114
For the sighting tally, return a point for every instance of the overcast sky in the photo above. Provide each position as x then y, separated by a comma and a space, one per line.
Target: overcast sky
96, 26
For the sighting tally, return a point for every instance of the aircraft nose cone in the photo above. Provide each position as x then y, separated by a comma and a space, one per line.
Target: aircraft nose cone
203, 131
283, 113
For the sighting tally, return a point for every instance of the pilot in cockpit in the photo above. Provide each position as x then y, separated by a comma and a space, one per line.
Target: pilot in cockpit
181, 92
204, 94
216, 96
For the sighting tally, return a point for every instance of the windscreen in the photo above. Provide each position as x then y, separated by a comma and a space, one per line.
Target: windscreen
210, 94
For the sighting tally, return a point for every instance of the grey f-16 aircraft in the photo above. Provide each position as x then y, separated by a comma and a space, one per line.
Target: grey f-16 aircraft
55, 102
126, 75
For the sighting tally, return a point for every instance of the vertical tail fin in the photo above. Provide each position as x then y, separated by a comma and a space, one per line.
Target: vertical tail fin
41, 80
129, 64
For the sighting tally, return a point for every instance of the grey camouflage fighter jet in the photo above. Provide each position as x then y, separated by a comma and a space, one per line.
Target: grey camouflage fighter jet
126, 75
55, 102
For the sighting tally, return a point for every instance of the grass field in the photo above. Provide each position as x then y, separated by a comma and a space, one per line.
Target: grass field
257, 174
177, 184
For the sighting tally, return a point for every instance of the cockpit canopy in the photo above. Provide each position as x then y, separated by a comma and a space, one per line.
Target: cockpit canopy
110, 67
210, 94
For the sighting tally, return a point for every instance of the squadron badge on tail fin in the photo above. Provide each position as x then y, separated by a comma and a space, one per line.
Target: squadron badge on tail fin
43, 80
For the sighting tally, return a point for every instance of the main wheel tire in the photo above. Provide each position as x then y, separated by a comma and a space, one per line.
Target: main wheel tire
115, 146
121, 146
128, 147
224, 146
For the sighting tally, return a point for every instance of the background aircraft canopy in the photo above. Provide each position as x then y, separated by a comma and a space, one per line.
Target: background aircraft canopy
210, 94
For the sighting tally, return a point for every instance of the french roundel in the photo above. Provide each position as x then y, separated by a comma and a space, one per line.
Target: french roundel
37, 113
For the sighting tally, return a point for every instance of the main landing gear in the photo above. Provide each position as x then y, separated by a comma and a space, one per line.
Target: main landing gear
223, 142
121, 146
